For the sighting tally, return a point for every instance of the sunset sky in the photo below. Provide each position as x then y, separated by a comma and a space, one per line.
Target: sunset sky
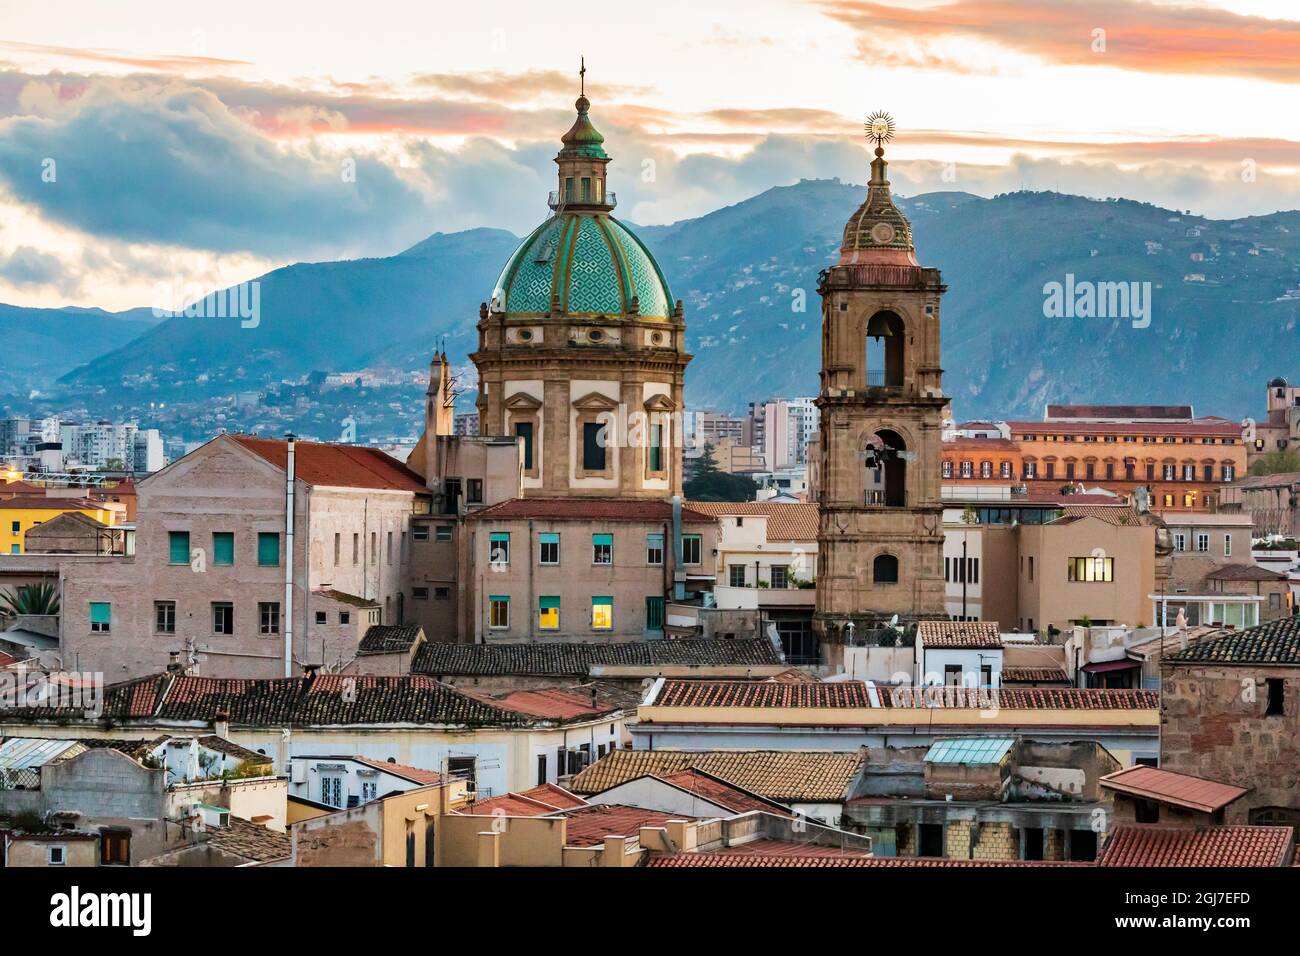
207, 148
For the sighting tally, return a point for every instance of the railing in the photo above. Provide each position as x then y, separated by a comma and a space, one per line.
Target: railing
880, 498
878, 378
557, 202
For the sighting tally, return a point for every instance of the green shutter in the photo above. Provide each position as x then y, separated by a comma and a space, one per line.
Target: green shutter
546, 603
223, 547
654, 613
602, 599
499, 536
179, 542
101, 612
268, 548
499, 597
549, 537
603, 539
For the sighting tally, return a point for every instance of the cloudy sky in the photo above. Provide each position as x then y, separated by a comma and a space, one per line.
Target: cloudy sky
149, 145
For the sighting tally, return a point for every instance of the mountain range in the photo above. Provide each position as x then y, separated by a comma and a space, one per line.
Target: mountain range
1224, 305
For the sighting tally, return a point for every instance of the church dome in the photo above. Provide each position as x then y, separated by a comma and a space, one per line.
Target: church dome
582, 261
585, 263
878, 233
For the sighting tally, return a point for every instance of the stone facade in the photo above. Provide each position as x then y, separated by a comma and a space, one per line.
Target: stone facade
1216, 724
881, 404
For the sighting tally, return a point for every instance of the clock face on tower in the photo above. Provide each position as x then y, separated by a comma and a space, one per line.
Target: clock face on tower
882, 233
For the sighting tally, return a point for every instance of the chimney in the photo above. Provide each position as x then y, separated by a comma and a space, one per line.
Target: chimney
174, 663
221, 723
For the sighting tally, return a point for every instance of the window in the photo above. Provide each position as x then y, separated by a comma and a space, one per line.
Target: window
345, 617
223, 617
1091, 569
1227, 545
654, 549
164, 617
369, 790
1146, 811
691, 544
655, 453
548, 548
338, 541
593, 446
223, 548
966, 471
884, 569
1180, 541
548, 612
780, 575
419, 532
15, 527
442, 532
945, 469
736, 575
1202, 542
322, 617
1005, 469
56, 855
1189, 472
268, 549
602, 613
1031, 568
1229, 472
499, 548
388, 548
1170, 472
356, 547
474, 491
101, 616
1276, 697
1031, 469
986, 469
951, 675
524, 433
268, 613
602, 549
442, 594
541, 769
499, 610
179, 547
654, 613
115, 848
331, 791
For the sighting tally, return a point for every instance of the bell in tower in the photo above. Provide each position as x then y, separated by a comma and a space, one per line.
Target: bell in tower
880, 541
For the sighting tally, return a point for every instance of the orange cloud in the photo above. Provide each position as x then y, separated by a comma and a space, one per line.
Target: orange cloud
1139, 36
162, 62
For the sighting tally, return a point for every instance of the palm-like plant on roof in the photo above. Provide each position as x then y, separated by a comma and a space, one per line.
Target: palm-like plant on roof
39, 598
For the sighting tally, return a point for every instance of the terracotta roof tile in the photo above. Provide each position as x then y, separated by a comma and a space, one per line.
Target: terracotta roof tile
708, 693
585, 509
1244, 572
588, 826
1203, 846
780, 775
786, 521
576, 660
724, 794
510, 805
1180, 789
414, 774
1040, 675
555, 796
726, 858
1277, 642
340, 466
549, 703
389, 638
251, 841
960, 634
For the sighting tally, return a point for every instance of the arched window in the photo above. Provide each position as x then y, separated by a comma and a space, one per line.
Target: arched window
884, 570
885, 458
884, 351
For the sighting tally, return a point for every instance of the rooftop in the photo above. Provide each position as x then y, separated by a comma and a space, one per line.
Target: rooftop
252, 841
1034, 675
971, 751
1277, 642
1244, 572
588, 826
1173, 413
1178, 789
586, 509
782, 775
1203, 846
337, 466
723, 793
413, 774
971, 635
786, 521
389, 638
576, 660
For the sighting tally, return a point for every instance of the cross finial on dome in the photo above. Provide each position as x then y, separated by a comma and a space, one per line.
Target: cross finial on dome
582, 76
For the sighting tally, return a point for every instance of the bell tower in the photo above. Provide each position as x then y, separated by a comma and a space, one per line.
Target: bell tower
880, 541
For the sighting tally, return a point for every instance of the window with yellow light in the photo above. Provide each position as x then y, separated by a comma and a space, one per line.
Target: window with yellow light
602, 613
548, 613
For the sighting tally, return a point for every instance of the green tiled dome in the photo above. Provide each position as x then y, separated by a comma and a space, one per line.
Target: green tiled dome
592, 263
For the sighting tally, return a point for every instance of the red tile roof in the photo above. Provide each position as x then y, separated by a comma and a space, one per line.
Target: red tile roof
546, 703
413, 774
1179, 789
1029, 675
510, 805
786, 521
43, 503
586, 509
853, 694
971, 635
339, 466
723, 794
727, 858
1202, 428
1171, 412
1203, 846
555, 796
588, 826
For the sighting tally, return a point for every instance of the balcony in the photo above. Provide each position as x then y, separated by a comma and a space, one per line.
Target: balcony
884, 498
557, 203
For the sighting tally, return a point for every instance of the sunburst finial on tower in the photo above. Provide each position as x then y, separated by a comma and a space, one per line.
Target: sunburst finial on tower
880, 129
